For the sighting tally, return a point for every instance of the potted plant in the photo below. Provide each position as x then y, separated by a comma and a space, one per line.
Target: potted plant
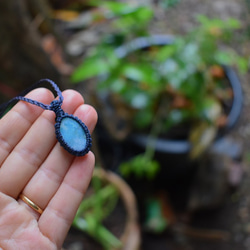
181, 88
95, 216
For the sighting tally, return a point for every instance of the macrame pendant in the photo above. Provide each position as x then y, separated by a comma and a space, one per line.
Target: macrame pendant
71, 132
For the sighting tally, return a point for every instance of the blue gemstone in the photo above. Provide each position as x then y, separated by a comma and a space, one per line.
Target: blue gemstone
73, 134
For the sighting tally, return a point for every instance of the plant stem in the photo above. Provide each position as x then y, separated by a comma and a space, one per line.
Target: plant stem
103, 194
100, 234
156, 128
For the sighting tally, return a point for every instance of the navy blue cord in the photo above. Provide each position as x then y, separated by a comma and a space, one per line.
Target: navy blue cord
55, 105
42, 105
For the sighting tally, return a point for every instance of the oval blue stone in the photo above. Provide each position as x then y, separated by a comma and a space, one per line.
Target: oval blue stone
73, 134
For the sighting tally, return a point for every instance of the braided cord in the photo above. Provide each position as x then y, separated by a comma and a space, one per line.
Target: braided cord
39, 104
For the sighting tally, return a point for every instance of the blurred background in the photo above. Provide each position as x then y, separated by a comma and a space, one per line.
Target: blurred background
170, 82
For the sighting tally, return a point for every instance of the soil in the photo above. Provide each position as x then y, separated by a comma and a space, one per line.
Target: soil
226, 224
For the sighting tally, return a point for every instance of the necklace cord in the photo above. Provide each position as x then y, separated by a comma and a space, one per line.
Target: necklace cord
21, 97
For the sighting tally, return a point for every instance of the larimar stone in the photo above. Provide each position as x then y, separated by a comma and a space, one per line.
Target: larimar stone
73, 134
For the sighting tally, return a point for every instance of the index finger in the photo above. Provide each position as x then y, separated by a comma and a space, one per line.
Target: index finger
16, 123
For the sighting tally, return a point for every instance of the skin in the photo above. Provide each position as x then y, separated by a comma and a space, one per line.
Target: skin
33, 163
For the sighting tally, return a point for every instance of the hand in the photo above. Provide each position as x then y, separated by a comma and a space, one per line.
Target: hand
33, 163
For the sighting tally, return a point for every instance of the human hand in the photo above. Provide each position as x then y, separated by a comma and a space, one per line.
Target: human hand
34, 164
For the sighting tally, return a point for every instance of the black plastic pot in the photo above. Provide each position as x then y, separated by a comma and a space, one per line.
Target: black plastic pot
183, 146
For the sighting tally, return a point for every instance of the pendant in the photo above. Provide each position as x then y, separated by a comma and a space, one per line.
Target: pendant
72, 134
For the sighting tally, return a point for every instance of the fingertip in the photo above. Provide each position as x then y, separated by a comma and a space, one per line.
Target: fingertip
41, 94
82, 169
91, 159
72, 98
88, 115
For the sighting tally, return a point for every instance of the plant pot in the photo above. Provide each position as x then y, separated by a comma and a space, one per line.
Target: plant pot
184, 146
130, 232
177, 148
172, 154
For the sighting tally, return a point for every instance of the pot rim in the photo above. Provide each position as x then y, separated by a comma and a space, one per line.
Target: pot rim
130, 237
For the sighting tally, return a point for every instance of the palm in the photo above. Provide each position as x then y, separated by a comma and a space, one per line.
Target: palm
19, 225
33, 163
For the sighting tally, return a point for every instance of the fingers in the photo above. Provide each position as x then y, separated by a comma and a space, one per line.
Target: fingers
27, 156
58, 215
34, 148
14, 128
16, 123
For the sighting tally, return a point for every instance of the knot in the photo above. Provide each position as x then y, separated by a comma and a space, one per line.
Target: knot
56, 107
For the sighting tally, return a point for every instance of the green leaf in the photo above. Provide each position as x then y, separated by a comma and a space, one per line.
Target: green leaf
168, 3
233, 23
201, 137
164, 52
136, 20
89, 68
117, 85
134, 72
140, 101
140, 166
243, 64
208, 23
143, 118
143, 73
224, 58
117, 8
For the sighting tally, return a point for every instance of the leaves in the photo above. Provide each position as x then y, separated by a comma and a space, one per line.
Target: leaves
143, 118
201, 137
98, 63
143, 73
168, 3
90, 68
208, 24
125, 16
140, 166
136, 19
204, 132
95, 208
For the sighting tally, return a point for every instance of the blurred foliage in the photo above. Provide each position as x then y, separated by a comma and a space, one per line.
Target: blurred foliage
168, 3
155, 220
140, 166
96, 207
167, 85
